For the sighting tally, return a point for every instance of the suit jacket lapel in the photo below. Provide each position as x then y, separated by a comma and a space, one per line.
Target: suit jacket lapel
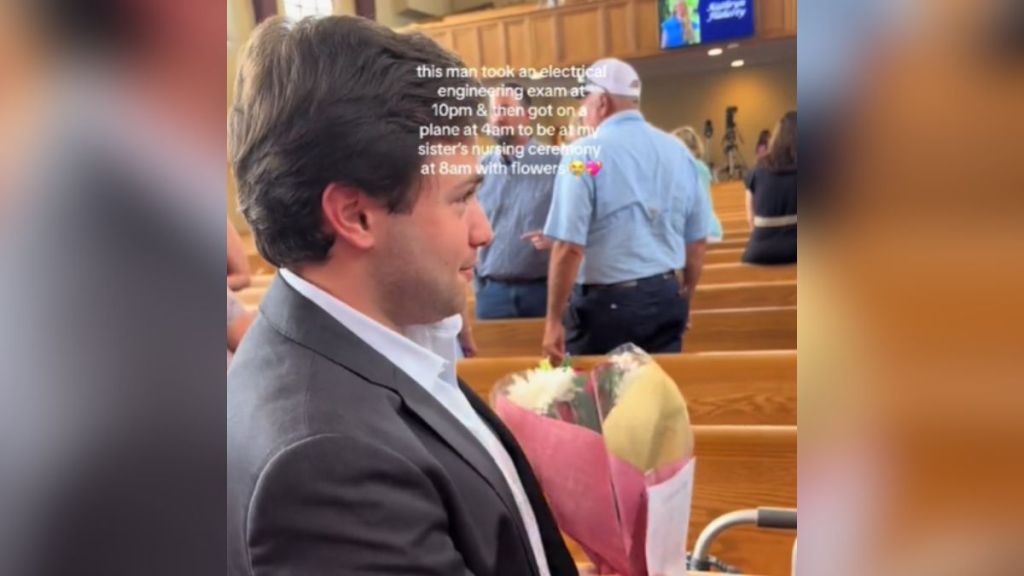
462, 441
304, 322
560, 561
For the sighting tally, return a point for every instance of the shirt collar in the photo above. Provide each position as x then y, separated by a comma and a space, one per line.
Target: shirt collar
620, 118
419, 363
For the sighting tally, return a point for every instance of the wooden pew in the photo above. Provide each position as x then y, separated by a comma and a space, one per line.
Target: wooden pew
708, 297
742, 467
719, 387
724, 256
745, 467
730, 243
723, 296
744, 295
712, 330
736, 227
731, 273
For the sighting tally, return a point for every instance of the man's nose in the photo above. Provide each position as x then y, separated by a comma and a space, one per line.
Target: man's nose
480, 232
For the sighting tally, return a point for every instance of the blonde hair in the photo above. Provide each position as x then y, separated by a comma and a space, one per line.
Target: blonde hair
689, 136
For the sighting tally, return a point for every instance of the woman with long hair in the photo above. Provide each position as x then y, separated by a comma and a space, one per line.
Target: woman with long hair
692, 140
771, 199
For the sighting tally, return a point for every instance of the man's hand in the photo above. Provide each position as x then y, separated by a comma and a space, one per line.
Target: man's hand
537, 238
466, 341
684, 293
554, 341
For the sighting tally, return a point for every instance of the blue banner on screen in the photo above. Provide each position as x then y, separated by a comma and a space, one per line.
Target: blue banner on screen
693, 22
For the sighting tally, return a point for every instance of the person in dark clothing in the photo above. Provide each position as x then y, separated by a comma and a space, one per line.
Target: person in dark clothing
771, 199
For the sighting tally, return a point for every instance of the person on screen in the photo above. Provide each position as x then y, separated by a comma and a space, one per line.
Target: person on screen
677, 29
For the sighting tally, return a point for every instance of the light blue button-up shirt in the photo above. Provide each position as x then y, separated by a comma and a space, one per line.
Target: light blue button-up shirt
427, 354
516, 197
635, 216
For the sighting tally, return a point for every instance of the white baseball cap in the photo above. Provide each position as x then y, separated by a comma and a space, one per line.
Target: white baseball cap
612, 76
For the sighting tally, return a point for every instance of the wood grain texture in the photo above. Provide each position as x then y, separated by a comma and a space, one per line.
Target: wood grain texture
582, 30
774, 18
466, 43
731, 273
745, 295
492, 45
724, 256
517, 43
712, 330
720, 388
544, 39
737, 242
745, 467
723, 296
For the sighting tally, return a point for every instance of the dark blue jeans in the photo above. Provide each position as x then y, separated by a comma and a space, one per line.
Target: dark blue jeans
495, 299
651, 315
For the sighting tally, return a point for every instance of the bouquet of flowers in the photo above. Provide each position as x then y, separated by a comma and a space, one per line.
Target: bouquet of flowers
613, 450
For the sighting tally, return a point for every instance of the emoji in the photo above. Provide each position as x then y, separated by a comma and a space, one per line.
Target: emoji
593, 166
576, 167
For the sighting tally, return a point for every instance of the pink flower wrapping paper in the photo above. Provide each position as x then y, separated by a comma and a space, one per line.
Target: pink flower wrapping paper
596, 462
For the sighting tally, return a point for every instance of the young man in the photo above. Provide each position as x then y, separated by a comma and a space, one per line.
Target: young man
353, 449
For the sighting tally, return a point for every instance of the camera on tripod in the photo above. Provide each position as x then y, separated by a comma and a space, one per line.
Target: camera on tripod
730, 116
735, 166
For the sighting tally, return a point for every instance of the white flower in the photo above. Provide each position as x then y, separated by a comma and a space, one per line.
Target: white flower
627, 362
537, 390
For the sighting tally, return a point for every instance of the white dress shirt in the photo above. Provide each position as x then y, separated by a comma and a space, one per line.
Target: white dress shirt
427, 353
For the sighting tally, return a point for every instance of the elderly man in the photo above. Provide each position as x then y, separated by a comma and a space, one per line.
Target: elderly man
626, 216
511, 276
352, 447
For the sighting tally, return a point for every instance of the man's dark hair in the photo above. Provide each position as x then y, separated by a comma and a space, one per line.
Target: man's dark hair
524, 97
782, 151
335, 99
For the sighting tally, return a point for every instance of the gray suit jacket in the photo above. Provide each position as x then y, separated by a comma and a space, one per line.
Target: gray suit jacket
341, 464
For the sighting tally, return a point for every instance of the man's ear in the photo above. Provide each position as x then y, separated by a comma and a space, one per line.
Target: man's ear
347, 213
607, 106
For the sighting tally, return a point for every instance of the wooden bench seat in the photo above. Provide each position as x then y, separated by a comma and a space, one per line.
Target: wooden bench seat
712, 330
725, 256
745, 295
719, 387
709, 296
731, 242
745, 467
722, 296
732, 273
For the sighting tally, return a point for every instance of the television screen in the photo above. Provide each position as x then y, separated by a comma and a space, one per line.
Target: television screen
693, 22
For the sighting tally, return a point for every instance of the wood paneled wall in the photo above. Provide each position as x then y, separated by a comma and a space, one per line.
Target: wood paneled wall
575, 34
